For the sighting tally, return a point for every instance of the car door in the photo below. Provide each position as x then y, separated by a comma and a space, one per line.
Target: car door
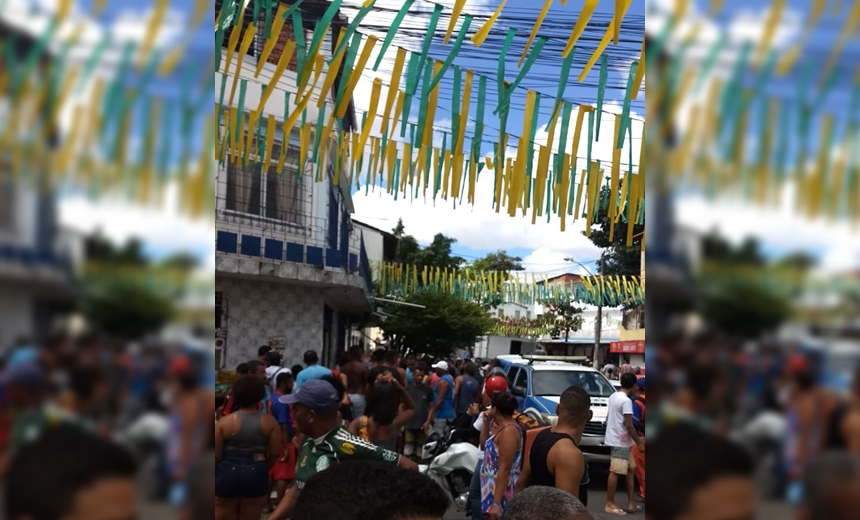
515, 376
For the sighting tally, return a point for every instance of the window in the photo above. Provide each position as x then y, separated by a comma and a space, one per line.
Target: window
501, 313
522, 378
554, 382
517, 314
268, 195
513, 371
528, 315
7, 206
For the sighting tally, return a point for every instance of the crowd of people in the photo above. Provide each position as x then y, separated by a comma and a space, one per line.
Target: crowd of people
750, 420
82, 418
285, 429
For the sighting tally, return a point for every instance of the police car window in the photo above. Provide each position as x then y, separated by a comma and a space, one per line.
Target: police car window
512, 374
522, 378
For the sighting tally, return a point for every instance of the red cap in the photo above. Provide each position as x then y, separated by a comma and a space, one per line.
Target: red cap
496, 384
180, 365
797, 363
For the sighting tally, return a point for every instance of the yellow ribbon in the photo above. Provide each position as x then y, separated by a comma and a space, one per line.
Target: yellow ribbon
479, 37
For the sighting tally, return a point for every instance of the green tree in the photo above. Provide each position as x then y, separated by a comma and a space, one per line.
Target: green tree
180, 261
437, 254
562, 318
717, 248
744, 310
499, 261
444, 324
127, 310
617, 257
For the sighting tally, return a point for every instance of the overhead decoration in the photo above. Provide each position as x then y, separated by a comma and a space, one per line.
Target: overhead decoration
743, 141
425, 159
72, 124
495, 287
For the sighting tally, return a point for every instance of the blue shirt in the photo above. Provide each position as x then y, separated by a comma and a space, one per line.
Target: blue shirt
408, 376
311, 372
446, 411
281, 412
638, 419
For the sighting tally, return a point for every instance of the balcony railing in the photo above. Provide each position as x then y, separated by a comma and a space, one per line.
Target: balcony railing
252, 229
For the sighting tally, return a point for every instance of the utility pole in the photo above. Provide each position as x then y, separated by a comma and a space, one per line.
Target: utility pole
598, 322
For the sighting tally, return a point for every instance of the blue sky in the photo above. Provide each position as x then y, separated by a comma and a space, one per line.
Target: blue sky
778, 227
478, 229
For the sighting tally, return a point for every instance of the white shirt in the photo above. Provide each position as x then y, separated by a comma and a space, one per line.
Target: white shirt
616, 433
478, 424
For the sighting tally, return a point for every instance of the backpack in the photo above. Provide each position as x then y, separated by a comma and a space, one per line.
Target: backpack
640, 427
363, 432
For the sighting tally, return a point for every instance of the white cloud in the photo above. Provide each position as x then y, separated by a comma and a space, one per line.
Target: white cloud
478, 226
551, 259
778, 227
164, 228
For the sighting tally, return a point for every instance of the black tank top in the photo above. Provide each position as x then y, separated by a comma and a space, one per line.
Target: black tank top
541, 475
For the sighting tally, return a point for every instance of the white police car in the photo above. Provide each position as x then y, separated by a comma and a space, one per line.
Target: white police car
538, 382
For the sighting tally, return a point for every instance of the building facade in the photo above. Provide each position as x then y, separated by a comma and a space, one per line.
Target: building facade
36, 271
292, 269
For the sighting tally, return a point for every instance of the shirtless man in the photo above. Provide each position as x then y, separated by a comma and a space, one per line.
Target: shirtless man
356, 378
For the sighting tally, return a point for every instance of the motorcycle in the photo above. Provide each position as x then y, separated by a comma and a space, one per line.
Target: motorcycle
451, 465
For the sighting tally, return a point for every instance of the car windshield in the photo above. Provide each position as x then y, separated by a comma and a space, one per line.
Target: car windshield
554, 382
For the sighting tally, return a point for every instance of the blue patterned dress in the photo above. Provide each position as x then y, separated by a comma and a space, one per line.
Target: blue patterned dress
490, 471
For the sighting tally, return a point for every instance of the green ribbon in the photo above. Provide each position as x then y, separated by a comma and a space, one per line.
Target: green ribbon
826, 88
301, 48
268, 6
396, 177
732, 94
455, 49
167, 138
351, 28
257, 5
113, 99
25, 68
95, 57
531, 154
588, 166
479, 122
562, 145
455, 106
562, 83
601, 92
437, 185
319, 132
392, 31
240, 108
322, 25
626, 215
710, 60
504, 109
348, 65
413, 71
293, 8
625, 110
533, 55
422, 111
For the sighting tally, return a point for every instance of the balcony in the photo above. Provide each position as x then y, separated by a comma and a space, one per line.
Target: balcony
289, 229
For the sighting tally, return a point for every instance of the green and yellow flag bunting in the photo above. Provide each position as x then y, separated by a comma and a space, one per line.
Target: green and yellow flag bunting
495, 287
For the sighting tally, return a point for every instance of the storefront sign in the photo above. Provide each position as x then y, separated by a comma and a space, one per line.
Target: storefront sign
278, 343
627, 347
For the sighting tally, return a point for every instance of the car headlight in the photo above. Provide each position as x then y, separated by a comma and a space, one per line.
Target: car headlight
548, 418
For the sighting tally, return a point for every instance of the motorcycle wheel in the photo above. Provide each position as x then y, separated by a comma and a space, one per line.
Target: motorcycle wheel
458, 484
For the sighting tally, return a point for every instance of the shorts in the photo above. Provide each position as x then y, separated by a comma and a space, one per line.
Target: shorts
418, 436
286, 469
242, 475
621, 461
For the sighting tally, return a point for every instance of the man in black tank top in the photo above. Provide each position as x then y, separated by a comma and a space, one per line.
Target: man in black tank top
555, 459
